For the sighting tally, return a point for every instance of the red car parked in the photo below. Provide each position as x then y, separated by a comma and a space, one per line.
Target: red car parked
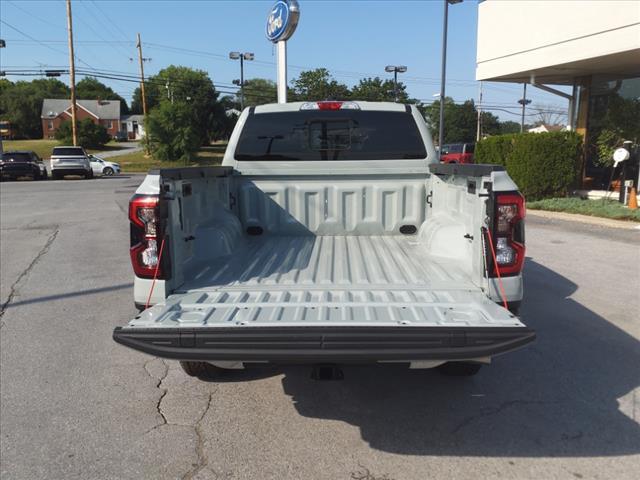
457, 153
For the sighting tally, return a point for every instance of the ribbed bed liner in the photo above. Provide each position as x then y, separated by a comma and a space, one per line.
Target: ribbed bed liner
336, 280
330, 261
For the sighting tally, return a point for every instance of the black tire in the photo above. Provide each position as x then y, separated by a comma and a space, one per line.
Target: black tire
55, 175
459, 369
108, 171
201, 370
36, 176
43, 176
89, 175
514, 307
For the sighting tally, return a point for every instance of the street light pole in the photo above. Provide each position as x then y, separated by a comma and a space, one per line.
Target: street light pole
444, 68
242, 57
395, 85
395, 69
241, 82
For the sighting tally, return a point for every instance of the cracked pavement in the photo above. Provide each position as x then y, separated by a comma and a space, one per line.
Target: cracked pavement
75, 405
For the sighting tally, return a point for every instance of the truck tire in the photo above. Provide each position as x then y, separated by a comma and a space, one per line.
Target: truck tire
201, 370
89, 175
55, 175
459, 369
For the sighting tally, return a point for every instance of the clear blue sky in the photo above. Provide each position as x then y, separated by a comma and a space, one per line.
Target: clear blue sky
352, 39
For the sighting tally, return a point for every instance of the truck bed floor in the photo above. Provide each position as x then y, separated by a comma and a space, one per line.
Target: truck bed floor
337, 280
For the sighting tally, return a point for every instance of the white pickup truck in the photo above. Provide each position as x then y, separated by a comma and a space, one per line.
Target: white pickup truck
330, 235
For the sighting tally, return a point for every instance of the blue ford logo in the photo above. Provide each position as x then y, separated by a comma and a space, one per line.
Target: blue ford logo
282, 20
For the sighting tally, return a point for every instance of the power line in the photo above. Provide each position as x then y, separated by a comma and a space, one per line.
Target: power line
43, 44
115, 47
124, 35
31, 15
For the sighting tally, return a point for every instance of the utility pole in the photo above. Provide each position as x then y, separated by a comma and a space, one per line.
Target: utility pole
141, 60
524, 102
72, 75
479, 128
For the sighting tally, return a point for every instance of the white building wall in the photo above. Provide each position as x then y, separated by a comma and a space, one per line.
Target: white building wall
523, 35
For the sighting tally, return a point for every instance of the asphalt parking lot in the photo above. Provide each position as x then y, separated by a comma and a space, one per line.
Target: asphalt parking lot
75, 405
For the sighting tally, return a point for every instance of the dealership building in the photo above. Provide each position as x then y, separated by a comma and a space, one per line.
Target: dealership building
587, 53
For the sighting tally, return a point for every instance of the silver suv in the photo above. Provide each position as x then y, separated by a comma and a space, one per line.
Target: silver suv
70, 161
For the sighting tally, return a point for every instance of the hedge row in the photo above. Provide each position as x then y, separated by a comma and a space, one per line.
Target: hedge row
544, 165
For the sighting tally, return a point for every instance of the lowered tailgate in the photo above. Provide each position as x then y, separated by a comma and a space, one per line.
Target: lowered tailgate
351, 299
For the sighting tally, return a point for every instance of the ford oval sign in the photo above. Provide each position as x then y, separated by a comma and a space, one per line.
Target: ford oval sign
282, 20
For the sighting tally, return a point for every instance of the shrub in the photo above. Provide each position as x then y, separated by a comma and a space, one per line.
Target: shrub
171, 131
543, 165
90, 135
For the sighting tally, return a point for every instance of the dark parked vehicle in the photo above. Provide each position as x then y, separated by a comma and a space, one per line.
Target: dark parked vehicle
457, 153
22, 164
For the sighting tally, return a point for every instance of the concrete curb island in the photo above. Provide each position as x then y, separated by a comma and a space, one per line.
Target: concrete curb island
575, 217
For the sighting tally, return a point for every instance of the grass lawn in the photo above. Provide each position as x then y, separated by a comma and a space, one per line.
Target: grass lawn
595, 208
43, 147
138, 162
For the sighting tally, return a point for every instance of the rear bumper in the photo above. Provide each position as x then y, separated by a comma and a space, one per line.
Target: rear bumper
324, 344
18, 171
70, 170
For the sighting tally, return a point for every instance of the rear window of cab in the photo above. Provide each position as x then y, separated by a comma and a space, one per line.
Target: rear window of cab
316, 135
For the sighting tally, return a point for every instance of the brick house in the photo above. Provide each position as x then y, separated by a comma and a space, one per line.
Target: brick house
102, 112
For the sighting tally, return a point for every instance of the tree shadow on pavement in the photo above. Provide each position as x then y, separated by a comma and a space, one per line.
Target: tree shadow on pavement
557, 397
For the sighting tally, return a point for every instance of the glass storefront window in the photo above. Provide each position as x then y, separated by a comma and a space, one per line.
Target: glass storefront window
614, 116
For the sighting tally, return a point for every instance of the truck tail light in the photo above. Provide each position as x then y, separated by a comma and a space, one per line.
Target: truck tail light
146, 237
330, 105
508, 234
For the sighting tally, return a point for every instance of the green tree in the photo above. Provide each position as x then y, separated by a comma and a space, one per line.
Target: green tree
90, 135
21, 103
224, 118
509, 126
460, 120
172, 131
378, 90
258, 91
90, 88
193, 88
318, 85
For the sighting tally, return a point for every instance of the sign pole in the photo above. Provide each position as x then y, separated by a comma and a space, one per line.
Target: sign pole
282, 71
281, 23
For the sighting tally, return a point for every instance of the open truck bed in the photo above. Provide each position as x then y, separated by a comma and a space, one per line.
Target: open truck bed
296, 262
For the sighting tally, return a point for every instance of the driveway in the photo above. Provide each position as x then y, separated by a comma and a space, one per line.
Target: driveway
127, 148
75, 405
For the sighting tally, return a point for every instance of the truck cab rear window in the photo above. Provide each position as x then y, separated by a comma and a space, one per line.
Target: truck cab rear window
330, 135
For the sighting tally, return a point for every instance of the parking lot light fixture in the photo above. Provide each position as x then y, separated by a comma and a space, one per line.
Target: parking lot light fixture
242, 57
395, 69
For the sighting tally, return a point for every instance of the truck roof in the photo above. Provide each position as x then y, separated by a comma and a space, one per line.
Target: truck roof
295, 106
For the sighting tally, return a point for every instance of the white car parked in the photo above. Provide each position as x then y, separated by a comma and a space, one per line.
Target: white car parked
103, 167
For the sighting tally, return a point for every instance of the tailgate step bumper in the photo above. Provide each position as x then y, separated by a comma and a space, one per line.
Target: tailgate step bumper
324, 344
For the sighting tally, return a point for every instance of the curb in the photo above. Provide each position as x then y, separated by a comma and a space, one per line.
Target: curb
575, 217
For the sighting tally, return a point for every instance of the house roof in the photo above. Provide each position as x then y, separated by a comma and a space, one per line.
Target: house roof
543, 127
102, 109
132, 118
